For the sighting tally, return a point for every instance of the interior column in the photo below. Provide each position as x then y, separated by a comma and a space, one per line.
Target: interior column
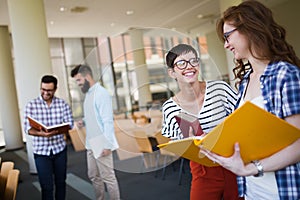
31, 53
141, 70
8, 99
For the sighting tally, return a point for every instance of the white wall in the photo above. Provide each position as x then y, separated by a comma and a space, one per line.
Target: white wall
287, 15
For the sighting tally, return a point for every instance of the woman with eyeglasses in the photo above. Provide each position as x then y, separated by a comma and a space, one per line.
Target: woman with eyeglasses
268, 73
210, 102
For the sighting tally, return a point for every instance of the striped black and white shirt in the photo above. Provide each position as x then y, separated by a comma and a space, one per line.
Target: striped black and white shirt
219, 102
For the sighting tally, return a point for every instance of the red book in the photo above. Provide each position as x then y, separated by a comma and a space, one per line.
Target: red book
61, 128
185, 121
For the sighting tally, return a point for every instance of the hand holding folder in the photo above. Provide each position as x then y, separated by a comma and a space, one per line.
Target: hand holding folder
258, 132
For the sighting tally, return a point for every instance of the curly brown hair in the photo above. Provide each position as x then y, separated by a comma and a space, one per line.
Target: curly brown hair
266, 38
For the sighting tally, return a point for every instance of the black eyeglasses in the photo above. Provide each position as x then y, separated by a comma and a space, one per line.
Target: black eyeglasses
47, 90
227, 34
182, 64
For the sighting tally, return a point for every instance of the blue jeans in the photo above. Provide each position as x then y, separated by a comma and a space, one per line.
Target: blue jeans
47, 166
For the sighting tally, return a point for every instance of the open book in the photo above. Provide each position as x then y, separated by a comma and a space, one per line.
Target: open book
61, 128
258, 132
185, 121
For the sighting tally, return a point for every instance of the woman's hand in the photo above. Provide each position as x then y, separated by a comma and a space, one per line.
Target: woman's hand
233, 163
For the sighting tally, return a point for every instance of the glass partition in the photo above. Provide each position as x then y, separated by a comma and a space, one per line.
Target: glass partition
112, 61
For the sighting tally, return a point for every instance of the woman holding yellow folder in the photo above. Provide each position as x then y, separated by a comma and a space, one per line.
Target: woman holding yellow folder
268, 71
210, 102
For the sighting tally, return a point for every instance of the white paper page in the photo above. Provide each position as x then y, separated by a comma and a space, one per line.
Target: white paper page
97, 145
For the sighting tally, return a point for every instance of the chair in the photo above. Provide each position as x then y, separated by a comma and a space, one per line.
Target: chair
160, 138
143, 142
163, 153
148, 113
145, 147
168, 155
133, 142
11, 185
128, 147
5, 168
77, 136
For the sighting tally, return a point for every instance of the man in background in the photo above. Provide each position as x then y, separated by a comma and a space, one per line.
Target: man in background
100, 136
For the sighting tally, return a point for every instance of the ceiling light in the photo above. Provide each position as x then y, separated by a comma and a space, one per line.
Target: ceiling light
129, 12
51, 22
112, 24
62, 9
200, 16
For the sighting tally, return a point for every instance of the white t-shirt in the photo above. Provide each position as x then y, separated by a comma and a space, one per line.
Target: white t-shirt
265, 187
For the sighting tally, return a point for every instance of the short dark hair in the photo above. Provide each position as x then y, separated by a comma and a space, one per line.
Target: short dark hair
82, 69
177, 51
49, 79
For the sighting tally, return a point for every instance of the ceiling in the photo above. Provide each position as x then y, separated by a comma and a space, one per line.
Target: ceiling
91, 18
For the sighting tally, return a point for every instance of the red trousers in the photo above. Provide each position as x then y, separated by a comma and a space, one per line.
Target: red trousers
212, 183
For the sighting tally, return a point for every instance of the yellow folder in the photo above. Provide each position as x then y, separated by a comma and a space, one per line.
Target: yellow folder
259, 133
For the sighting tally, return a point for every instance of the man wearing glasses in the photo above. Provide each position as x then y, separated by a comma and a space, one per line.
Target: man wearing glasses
49, 148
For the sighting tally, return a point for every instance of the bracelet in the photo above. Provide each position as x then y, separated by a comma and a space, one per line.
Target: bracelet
259, 168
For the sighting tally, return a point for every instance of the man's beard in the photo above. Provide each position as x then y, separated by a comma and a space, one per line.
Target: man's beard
85, 87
